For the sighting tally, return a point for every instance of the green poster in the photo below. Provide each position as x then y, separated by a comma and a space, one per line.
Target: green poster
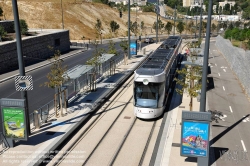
14, 123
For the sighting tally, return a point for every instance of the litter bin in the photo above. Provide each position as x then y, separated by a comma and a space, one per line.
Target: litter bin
44, 116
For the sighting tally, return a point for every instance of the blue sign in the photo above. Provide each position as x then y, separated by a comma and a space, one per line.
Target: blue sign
133, 48
194, 139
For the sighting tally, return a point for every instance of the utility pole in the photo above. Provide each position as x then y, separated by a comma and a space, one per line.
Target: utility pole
24, 94
62, 15
174, 18
201, 19
157, 21
129, 29
195, 27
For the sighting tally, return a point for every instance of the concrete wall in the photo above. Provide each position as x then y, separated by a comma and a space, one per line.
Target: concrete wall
8, 26
35, 47
238, 60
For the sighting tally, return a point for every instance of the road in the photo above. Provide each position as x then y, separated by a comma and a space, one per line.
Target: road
231, 135
41, 95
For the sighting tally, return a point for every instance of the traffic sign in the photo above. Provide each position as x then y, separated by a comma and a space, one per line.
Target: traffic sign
24, 83
157, 9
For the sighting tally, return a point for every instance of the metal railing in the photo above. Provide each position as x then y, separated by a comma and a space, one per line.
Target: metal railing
74, 86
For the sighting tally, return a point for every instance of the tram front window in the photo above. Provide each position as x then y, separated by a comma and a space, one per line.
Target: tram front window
146, 95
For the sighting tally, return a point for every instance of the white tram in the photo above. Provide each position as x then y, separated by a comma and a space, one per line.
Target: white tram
153, 79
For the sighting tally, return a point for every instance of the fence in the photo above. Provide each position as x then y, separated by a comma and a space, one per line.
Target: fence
74, 86
238, 60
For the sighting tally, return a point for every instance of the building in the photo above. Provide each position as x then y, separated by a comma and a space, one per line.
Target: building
222, 4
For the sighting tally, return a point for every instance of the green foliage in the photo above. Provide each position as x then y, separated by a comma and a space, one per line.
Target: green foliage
213, 27
3, 33
124, 45
96, 57
160, 25
133, 27
150, 8
114, 26
111, 48
23, 27
168, 27
1, 11
98, 26
180, 27
56, 77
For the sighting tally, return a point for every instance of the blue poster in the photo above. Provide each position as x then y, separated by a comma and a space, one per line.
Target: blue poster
132, 48
194, 139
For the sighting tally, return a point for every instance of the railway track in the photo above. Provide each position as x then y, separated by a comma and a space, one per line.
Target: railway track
111, 135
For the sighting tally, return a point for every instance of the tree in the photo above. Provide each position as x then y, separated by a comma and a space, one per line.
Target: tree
95, 61
160, 25
213, 27
190, 78
168, 27
3, 33
98, 27
124, 45
1, 11
114, 26
180, 27
111, 48
56, 77
23, 27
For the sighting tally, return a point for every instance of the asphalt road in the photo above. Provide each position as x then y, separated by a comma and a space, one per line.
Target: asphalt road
231, 135
41, 95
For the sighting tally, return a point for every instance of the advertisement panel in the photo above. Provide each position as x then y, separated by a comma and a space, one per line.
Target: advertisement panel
14, 123
133, 49
195, 139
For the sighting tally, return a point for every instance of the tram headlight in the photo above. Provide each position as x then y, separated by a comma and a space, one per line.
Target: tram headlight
145, 81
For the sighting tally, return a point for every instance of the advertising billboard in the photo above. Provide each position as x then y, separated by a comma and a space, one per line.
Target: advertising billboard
14, 123
133, 49
195, 139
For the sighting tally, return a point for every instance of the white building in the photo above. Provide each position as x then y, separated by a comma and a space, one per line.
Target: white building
222, 4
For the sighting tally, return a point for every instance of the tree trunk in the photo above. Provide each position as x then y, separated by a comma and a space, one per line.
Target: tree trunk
125, 59
55, 105
60, 100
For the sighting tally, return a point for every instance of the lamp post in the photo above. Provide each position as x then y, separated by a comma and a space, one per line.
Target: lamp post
24, 94
201, 19
62, 15
129, 29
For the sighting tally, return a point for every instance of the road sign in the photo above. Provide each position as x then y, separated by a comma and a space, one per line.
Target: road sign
157, 9
24, 83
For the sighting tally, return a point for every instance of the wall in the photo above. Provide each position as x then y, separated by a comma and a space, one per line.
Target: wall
238, 60
34, 47
8, 26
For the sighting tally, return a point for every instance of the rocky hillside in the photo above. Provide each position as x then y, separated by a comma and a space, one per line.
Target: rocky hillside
79, 17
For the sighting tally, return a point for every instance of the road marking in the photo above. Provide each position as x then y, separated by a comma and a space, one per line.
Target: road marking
230, 109
224, 70
243, 145
215, 64
223, 88
219, 74
246, 119
223, 67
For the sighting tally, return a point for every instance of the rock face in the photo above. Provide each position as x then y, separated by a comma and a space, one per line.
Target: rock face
78, 17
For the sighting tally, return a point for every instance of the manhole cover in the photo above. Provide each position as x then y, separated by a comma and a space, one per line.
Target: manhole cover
50, 133
127, 117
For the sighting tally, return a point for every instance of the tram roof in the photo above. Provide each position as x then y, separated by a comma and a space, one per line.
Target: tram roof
158, 61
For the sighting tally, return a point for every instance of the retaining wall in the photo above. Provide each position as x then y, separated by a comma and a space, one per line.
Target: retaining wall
238, 60
35, 48
8, 26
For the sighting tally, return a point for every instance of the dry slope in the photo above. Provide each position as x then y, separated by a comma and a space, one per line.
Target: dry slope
79, 17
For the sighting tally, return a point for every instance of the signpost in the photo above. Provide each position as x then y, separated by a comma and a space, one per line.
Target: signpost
14, 120
195, 133
133, 48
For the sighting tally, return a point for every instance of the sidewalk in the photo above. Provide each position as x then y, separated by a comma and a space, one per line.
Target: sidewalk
51, 134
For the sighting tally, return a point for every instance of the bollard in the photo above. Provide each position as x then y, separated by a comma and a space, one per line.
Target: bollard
144, 51
37, 122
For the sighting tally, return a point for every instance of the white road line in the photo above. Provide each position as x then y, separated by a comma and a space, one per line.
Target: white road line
223, 88
215, 64
219, 74
230, 108
243, 145
224, 70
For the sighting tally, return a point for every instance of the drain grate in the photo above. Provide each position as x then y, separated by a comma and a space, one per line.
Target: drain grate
176, 144
50, 133
127, 117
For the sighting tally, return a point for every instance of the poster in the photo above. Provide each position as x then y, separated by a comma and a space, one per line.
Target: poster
14, 122
195, 139
133, 48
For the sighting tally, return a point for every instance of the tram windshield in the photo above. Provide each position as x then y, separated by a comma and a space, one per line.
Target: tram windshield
147, 95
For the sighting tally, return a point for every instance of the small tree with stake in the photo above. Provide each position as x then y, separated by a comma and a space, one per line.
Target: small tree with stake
56, 77
124, 46
188, 76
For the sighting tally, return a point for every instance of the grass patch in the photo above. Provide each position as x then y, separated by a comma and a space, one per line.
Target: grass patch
236, 43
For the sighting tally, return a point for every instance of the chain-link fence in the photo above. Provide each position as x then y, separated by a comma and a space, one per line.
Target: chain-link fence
238, 59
